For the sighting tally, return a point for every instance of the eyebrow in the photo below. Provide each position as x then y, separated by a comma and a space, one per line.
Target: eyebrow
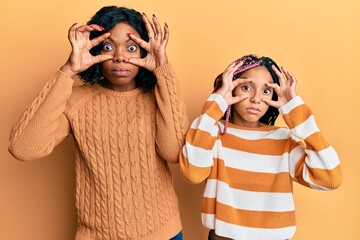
127, 40
269, 81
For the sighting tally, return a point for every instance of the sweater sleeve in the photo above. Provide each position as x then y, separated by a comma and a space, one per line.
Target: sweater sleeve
43, 124
199, 151
313, 162
171, 119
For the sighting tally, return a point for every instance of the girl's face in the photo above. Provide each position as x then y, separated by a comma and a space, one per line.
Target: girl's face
247, 112
120, 75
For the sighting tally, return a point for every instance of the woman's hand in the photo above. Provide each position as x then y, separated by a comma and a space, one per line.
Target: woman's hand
287, 89
80, 58
156, 46
228, 84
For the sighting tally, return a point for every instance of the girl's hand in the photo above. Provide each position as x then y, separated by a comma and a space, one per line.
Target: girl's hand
287, 89
228, 84
156, 47
80, 58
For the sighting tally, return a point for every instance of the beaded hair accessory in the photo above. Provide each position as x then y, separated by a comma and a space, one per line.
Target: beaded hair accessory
249, 61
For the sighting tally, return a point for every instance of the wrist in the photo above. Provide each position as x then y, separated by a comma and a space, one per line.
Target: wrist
67, 70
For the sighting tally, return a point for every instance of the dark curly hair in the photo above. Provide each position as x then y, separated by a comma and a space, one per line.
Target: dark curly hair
251, 61
108, 17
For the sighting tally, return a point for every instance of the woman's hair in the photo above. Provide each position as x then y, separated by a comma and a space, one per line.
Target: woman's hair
108, 17
251, 61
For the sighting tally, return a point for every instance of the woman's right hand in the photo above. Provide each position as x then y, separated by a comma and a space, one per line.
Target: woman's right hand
80, 58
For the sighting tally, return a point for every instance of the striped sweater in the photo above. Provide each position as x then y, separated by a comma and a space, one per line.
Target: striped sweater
123, 141
249, 171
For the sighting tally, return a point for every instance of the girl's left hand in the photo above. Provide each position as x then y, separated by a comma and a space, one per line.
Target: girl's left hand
155, 47
287, 89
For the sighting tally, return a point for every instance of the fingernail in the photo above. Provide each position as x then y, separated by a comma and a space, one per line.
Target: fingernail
154, 15
91, 26
74, 24
129, 33
166, 25
144, 14
102, 28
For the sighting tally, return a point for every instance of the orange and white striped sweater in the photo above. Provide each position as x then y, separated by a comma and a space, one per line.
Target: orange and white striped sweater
249, 171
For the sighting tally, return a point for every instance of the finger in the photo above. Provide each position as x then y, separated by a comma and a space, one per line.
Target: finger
139, 41
290, 77
100, 39
239, 81
269, 102
279, 75
137, 61
158, 31
237, 99
275, 86
71, 33
148, 26
166, 34
97, 27
101, 58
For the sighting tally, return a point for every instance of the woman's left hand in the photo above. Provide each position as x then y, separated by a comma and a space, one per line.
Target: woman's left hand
156, 46
287, 89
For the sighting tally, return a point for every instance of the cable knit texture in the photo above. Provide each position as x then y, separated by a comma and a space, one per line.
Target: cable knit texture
124, 141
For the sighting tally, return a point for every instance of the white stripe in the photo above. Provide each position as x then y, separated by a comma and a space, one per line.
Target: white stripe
198, 157
206, 124
219, 100
208, 220
245, 233
324, 159
295, 156
306, 128
254, 162
279, 133
247, 200
293, 103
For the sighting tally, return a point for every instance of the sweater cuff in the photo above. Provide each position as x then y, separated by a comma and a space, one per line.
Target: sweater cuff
220, 101
164, 70
293, 103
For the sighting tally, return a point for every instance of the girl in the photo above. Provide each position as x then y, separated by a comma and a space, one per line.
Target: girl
248, 163
128, 123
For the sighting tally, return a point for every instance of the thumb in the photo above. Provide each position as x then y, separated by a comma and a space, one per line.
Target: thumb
102, 58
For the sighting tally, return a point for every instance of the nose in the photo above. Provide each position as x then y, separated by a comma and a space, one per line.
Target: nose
255, 97
119, 56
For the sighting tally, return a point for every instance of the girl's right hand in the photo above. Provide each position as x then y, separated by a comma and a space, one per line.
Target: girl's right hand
228, 84
80, 58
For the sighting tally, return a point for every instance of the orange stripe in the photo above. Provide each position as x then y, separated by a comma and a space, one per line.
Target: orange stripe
213, 110
199, 138
295, 120
327, 178
252, 181
191, 173
274, 147
317, 141
257, 219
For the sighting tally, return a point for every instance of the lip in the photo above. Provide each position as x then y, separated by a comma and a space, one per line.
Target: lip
120, 71
253, 110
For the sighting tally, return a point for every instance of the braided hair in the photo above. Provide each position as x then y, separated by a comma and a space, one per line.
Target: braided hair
251, 61
108, 17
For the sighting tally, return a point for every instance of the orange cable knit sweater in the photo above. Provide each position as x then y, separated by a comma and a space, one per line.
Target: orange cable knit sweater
124, 141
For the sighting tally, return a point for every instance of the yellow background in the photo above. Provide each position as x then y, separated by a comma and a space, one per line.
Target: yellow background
316, 40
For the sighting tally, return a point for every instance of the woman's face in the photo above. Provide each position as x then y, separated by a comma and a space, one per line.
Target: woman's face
119, 74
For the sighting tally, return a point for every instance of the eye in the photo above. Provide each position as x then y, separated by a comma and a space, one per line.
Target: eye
131, 48
267, 91
107, 48
246, 88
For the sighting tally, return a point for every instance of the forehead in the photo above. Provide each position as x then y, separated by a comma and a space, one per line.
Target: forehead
259, 72
122, 29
